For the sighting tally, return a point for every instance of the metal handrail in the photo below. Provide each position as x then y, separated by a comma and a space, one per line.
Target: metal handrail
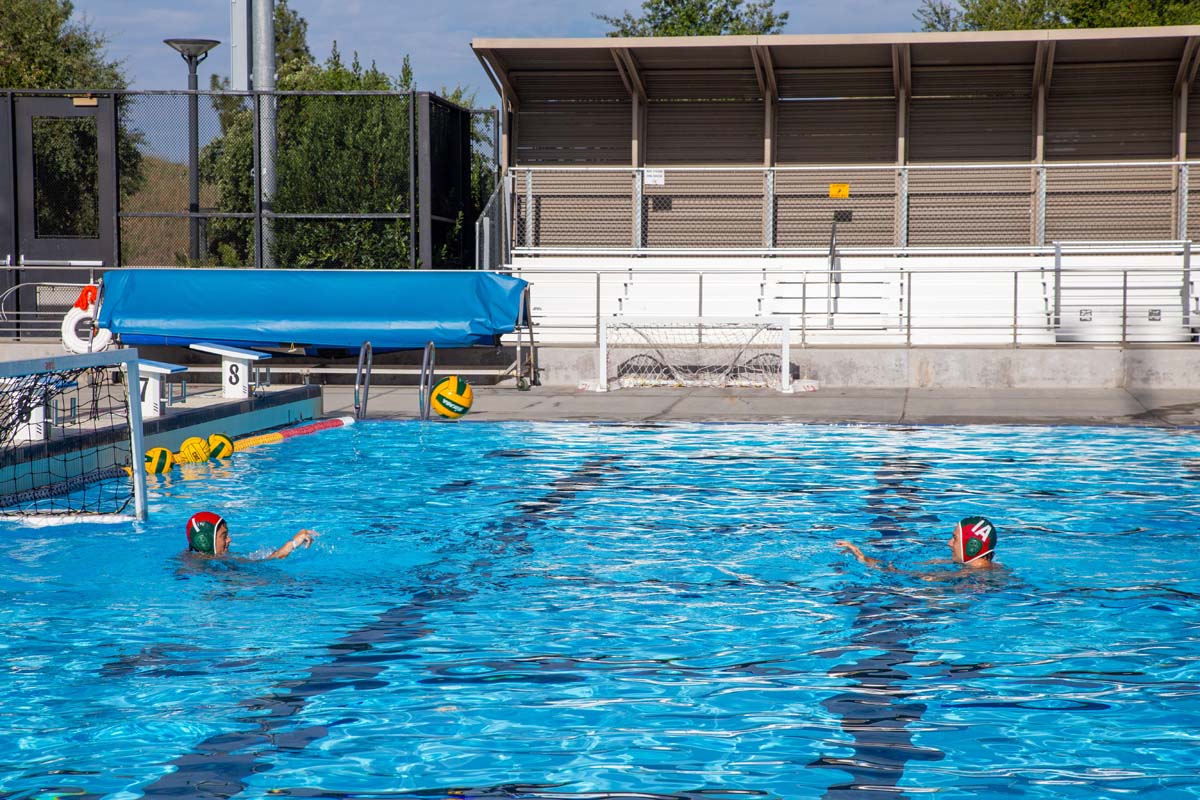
424, 398
14, 289
362, 380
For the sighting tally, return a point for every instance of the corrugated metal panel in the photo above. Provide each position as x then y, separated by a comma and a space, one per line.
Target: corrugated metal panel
1095, 112
804, 210
1109, 203
830, 83
704, 133
975, 114
701, 84
705, 209
960, 130
574, 133
576, 209
836, 132
1193, 121
970, 207
535, 87
972, 81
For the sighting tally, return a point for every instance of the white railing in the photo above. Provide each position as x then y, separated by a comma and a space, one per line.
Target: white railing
897, 307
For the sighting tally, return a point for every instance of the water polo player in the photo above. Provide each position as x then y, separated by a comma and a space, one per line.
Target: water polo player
974, 542
973, 545
208, 534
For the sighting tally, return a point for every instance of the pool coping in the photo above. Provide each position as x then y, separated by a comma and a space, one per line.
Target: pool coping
1162, 408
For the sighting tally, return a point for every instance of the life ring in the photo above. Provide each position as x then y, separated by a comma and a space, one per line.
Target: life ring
84, 308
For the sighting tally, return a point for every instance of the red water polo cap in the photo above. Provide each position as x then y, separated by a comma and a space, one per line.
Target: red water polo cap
977, 537
202, 531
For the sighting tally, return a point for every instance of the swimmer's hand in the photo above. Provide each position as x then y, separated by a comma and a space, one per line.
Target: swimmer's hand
852, 548
302, 539
855, 551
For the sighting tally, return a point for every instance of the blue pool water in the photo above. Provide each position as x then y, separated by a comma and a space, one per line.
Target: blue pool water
570, 610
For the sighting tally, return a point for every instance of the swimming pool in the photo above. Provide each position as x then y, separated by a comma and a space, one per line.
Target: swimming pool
566, 610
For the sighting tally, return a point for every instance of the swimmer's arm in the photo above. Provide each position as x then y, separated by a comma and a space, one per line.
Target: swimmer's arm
302, 539
873, 563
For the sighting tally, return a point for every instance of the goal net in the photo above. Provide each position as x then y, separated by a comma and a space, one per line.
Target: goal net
71, 437
695, 351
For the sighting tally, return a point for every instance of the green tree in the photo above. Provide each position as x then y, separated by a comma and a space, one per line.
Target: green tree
1132, 13
42, 48
291, 40
990, 15
698, 18
483, 151
334, 154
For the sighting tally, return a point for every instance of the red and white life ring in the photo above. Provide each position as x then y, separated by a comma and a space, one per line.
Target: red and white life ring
84, 308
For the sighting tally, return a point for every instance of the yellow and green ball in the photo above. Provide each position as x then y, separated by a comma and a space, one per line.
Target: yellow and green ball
159, 460
451, 397
193, 451
220, 446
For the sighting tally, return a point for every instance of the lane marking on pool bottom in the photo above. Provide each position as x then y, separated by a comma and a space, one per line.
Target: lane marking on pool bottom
218, 766
876, 712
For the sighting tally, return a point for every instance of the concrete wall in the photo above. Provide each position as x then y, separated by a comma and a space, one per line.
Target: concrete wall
985, 368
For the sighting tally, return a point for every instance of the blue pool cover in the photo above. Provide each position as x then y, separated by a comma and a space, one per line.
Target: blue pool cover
397, 310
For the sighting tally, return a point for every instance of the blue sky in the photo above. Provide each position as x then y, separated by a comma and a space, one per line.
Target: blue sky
435, 33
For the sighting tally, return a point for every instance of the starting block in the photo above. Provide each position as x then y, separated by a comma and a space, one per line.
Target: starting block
151, 378
235, 367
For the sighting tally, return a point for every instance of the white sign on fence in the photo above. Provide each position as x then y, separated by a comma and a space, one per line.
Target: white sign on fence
654, 177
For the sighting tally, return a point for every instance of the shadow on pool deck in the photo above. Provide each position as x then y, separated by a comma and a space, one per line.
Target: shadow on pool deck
1145, 407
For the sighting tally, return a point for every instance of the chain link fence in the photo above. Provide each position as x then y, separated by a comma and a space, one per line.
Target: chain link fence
561, 209
340, 188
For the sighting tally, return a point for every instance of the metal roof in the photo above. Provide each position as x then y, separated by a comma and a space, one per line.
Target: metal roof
713, 66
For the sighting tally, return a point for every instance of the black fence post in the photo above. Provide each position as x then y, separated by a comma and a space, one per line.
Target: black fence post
8, 181
8, 206
117, 100
412, 180
425, 177
466, 167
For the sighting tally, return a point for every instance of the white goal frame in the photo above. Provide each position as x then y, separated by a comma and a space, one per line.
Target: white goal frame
783, 323
125, 360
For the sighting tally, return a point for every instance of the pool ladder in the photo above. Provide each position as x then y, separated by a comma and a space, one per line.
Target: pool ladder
426, 390
362, 380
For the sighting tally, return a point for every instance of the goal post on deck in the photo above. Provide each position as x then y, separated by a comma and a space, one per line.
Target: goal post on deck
71, 439
695, 352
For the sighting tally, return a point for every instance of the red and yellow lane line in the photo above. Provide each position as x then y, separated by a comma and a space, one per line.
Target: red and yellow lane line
289, 433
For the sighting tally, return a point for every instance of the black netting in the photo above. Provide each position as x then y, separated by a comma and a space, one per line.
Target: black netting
65, 443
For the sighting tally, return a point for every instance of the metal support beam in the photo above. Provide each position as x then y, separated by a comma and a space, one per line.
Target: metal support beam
631, 70
500, 74
1043, 67
1185, 76
627, 68
902, 85
764, 71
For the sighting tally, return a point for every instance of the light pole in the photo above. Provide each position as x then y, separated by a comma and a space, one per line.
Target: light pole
193, 51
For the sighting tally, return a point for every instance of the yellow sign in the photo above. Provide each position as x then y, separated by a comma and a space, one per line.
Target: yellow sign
839, 190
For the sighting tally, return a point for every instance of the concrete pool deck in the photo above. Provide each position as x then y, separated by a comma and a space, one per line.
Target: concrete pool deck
1169, 408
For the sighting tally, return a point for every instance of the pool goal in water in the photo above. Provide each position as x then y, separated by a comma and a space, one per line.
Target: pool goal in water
695, 352
71, 437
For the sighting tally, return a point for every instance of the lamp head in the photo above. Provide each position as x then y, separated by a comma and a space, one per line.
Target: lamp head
192, 48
